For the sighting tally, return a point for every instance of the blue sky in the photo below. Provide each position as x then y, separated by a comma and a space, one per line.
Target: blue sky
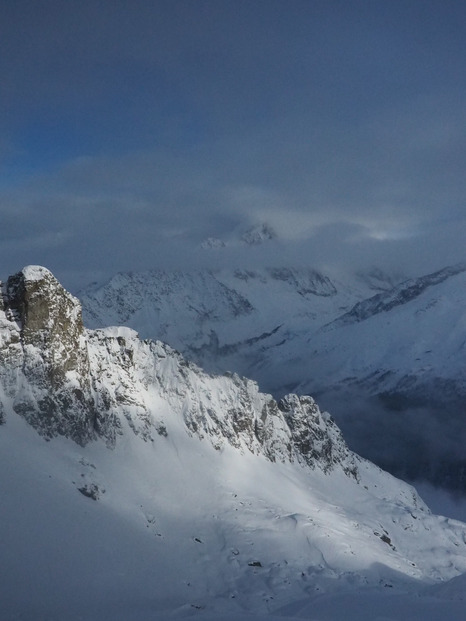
131, 131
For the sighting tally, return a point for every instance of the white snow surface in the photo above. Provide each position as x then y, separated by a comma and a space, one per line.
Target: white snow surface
36, 272
174, 532
179, 527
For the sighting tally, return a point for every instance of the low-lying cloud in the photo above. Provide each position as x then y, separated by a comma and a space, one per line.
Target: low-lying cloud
418, 443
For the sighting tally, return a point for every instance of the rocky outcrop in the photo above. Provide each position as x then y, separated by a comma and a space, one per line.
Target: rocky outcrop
43, 356
315, 435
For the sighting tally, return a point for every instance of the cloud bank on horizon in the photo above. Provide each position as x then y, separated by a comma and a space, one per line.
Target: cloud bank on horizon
132, 131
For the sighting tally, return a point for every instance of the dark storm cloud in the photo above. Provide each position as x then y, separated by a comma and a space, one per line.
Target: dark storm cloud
131, 131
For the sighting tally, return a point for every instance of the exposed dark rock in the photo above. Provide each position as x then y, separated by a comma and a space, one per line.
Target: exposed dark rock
91, 490
47, 347
315, 436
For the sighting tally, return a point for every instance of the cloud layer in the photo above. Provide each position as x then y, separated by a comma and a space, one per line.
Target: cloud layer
133, 131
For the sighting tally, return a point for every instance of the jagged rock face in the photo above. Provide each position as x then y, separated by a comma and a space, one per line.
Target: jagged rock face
222, 409
49, 318
83, 384
44, 356
316, 435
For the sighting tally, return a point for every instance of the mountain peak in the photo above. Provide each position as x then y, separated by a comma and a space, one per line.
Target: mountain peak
36, 272
43, 344
36, 299
212, 243
259, 234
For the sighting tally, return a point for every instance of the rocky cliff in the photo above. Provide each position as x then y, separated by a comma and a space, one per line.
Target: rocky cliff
44, 361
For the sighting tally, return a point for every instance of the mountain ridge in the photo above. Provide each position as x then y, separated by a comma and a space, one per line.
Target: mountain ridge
399, 295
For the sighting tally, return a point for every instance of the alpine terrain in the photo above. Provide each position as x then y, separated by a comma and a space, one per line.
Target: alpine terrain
384, 353
137, 486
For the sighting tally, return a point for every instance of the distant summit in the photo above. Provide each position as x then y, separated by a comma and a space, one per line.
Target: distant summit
259, 234
212, 243
253, 236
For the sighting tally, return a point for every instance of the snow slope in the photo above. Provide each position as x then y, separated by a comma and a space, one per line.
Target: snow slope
136, 486
179, 529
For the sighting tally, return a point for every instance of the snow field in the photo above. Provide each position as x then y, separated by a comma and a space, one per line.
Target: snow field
181, 529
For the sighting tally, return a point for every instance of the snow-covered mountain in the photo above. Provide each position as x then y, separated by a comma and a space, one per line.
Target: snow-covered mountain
165, 491
384, 353
258, 234
224, 318
255, 235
